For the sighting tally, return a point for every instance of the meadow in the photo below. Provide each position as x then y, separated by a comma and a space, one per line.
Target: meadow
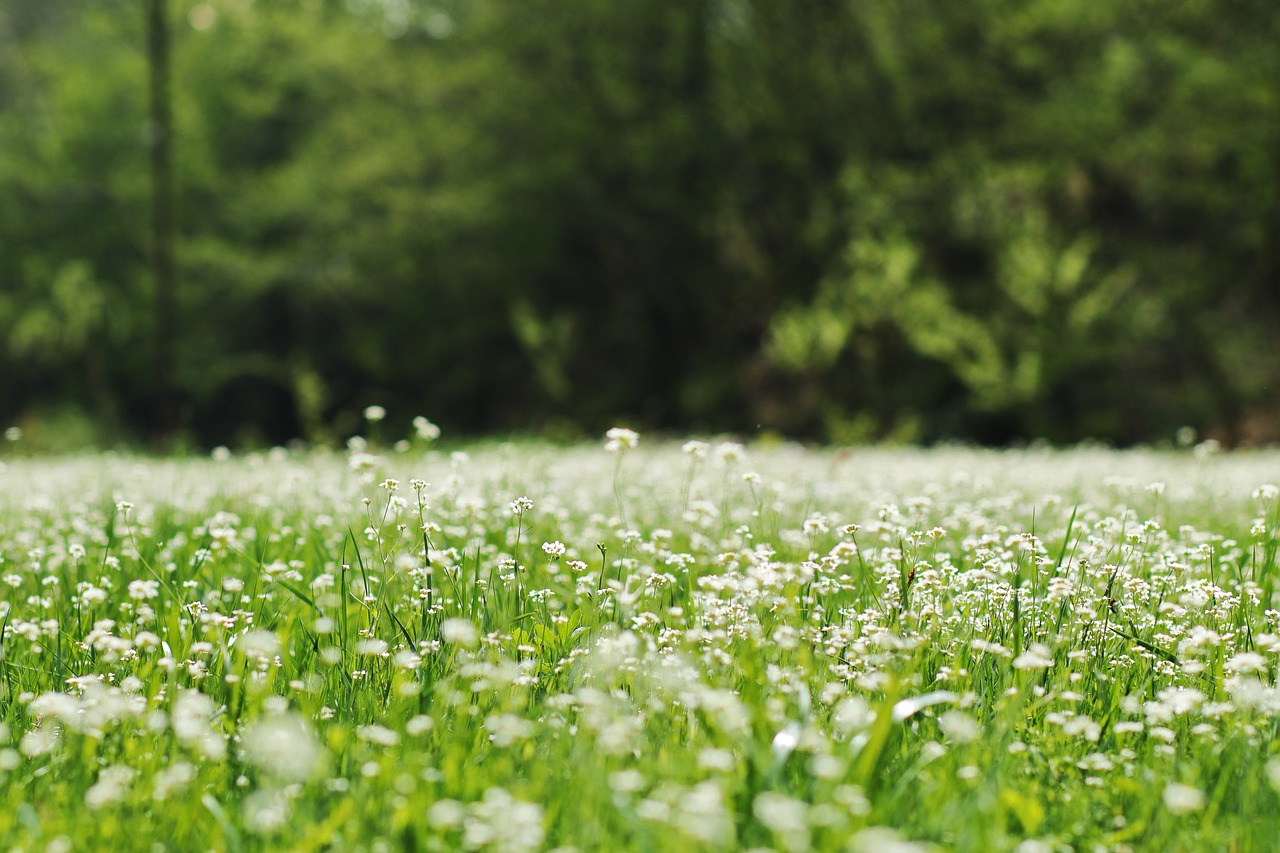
643, 646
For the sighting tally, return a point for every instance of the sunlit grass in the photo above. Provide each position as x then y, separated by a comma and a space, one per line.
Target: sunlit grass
648, 648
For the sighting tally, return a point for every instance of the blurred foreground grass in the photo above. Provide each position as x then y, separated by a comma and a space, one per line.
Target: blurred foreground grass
701, 648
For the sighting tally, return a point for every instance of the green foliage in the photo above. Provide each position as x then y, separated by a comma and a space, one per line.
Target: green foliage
991, 220
554, 648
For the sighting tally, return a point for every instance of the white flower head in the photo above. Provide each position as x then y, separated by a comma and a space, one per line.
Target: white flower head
1039, 656
1273, 773
620, 439
729, 452
141, 590
284, 746
266, 811
785, 816
880, 839
959, 726
445, 814
39, 741
425, 429
378, 735
190, 718
373, 414
1246, 662
694, 449
1266, 492
459, 632
111, 786
1182, 799
259, 643
362, 462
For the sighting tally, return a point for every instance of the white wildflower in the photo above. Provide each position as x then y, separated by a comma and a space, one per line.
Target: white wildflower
425, 429
1246, 662
258, 643
785, 817
446, 814
266, 811
694, 449
39, 741
959, 726
284, 746
879, 839
421, 724
1039, 656
379, 735
729, 452
1183, 799
620, 439
852, 714
113, 782
720, 760
459, 632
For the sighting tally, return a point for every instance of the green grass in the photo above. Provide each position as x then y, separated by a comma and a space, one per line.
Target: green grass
783, 649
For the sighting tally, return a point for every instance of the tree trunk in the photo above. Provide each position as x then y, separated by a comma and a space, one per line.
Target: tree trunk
160, 140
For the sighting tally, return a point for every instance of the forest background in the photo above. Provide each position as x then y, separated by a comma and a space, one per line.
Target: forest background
841, 220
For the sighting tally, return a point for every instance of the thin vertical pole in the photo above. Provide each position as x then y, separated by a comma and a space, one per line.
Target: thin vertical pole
160, 140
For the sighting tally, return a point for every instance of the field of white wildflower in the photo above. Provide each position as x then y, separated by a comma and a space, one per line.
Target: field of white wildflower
652, 648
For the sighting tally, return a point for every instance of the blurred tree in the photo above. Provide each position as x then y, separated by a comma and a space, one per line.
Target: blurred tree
159, 137
889, 218
70, 193
1051, 223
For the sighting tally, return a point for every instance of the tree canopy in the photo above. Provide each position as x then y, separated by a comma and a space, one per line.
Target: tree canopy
840, 219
